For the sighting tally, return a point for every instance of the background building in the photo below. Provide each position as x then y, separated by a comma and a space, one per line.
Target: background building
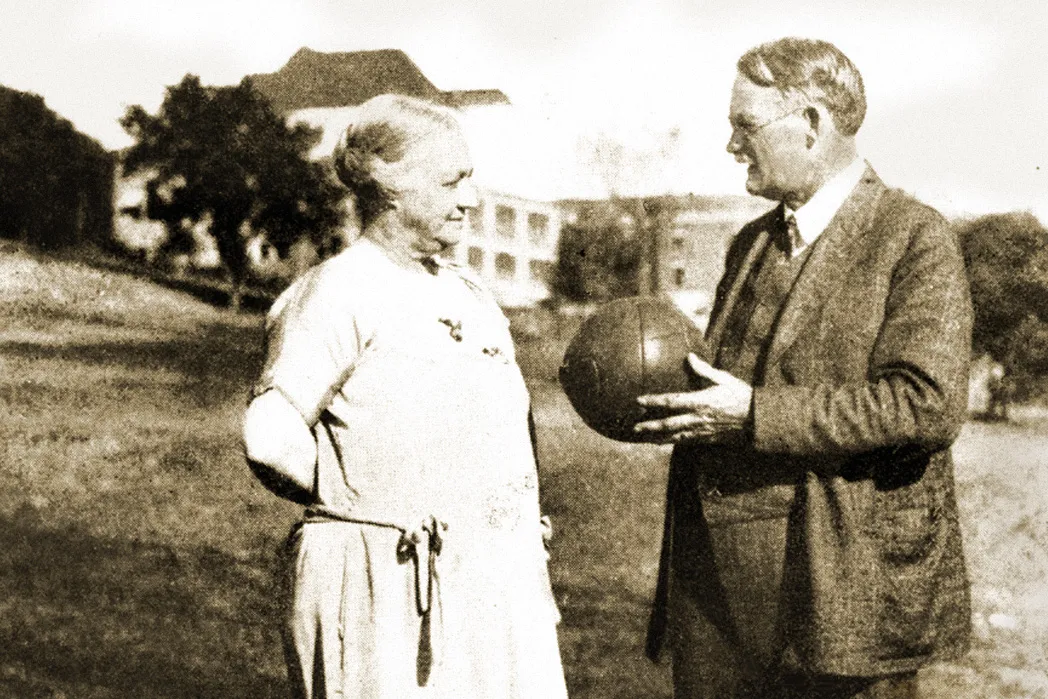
684, 255
525, 169
512, 238
689, 260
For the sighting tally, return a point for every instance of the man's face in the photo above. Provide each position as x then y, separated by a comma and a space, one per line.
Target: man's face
435, 190
770, 134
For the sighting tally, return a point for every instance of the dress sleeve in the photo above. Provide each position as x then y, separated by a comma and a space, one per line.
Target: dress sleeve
312, 344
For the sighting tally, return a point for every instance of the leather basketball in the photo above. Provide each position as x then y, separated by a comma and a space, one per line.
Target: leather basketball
628, 348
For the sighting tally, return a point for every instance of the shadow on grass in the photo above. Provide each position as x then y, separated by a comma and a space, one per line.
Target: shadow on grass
210, 287
213, 361
87, 617
214, 292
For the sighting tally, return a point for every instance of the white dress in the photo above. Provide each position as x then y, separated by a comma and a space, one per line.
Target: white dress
420, 412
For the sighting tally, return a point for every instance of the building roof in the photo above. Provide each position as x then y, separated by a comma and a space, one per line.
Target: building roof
475, 98
312, 79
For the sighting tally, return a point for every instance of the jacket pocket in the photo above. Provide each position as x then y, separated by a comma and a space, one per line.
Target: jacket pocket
910, 553
907, 536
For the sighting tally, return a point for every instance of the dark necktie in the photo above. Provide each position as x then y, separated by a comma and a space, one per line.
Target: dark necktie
789, 237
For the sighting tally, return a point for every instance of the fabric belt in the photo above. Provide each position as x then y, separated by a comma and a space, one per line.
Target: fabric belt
429, 531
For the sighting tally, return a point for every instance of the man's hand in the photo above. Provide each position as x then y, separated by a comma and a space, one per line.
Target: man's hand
714, 415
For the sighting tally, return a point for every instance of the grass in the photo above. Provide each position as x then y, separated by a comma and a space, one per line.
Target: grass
606, 501
137, 553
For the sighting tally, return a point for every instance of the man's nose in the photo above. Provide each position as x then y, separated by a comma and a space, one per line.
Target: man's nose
734, 142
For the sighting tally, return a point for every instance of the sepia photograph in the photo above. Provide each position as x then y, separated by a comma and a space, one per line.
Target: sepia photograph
602, 349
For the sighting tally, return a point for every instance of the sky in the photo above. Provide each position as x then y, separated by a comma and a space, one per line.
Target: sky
633, 93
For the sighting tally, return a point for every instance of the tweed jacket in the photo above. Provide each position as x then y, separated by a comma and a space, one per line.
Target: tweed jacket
862, 392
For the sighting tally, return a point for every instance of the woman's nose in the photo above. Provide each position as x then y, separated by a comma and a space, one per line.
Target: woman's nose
467, 195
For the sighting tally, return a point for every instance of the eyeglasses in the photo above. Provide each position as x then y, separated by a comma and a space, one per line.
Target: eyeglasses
751, 130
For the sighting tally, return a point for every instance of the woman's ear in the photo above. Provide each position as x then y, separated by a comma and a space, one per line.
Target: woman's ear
382, 171
387, 176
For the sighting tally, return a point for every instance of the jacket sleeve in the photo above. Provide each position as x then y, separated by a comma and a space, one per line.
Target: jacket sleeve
915, 391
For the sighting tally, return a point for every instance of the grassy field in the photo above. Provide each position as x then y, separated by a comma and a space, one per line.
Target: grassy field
136, 552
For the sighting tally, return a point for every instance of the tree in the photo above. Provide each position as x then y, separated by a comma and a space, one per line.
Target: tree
222, 156
613, 248
599, 255
655, 218
1006, 256
55, 183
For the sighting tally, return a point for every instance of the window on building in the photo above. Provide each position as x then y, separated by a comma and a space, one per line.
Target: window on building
677, 243
505, 221
134, 212
476, 220
541, 271
475, 257
538, 228
505, 266
678, 277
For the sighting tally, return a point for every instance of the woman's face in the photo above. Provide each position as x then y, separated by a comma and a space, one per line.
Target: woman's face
435, 190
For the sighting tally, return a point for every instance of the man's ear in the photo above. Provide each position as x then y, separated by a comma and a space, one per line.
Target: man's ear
815, 124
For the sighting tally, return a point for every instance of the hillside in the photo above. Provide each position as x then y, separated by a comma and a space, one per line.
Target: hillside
44, 300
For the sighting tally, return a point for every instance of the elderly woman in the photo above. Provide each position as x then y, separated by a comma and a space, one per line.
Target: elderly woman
391, 406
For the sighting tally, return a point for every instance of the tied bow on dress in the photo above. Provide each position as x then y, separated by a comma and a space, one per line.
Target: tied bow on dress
421, 543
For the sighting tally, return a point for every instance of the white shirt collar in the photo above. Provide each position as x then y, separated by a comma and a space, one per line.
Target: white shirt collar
815, 215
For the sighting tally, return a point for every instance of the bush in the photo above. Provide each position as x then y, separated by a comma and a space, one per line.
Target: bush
1006, 256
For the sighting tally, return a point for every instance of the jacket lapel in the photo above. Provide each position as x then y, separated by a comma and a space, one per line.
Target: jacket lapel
829, 262
716, 328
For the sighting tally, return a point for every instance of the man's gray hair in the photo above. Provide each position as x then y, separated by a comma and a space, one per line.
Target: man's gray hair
384, 128
817, 70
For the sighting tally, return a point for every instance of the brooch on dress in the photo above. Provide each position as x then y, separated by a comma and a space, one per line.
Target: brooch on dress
454, 328
495, 353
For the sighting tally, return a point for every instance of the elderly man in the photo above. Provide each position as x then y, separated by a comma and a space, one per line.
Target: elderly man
812, 547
